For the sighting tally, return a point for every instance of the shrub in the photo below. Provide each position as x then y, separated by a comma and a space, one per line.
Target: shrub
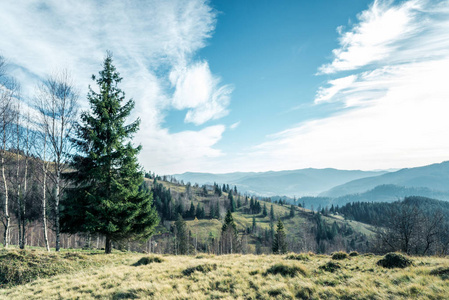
330, 267
205, 268
339, 255
443, 272
353, 253
286, 270
301, 256
148, 260
394, 260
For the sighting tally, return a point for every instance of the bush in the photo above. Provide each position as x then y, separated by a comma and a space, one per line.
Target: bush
286, 270
339, 255
394, 260
148, 260
353, 253
330, 267
205, 268
443, 272
301, 256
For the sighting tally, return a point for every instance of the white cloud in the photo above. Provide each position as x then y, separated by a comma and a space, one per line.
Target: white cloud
234, 125
199, 90
186, 150
337, 85
149, 39
397, 93
377, 35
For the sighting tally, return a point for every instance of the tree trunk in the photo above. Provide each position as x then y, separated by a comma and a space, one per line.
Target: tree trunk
6, 207
58, 195
108, 245
44, 195
22, 204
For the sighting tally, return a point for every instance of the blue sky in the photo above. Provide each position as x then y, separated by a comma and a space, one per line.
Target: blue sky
225, 86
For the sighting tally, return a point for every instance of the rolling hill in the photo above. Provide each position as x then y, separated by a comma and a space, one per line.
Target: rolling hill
303, 182
433, 178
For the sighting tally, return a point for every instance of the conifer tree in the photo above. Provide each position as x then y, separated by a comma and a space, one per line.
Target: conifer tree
229, 234
105, 197
231, 202
272, 213
264, 211
192, 210
279, 242
181, 234
292, 211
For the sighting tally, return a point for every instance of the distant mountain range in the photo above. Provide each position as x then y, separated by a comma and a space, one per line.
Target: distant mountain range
325, 186
434, 177
303, 182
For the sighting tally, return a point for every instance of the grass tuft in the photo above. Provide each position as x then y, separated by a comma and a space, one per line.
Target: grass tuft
205, 268
339, 255
148, 260
394, 260
330, 267
443, 272
286, 270
353, 253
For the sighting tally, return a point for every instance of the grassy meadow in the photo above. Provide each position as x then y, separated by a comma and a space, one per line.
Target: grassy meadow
35, 274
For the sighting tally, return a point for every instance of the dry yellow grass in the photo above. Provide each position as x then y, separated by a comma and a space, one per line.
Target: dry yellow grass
241, 277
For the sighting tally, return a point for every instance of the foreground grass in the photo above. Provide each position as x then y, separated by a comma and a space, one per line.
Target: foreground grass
120, 276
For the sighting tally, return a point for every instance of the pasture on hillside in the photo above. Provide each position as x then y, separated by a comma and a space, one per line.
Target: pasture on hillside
35, 274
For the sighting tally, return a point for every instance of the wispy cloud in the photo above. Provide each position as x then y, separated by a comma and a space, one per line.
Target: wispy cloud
234, 125
393, 66
378, 34
154, 44
336, 86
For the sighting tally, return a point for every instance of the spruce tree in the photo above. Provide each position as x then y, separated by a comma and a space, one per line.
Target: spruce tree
279, 242
264, 211
229, 234
181, 234
192, 210
105, 197
231, 202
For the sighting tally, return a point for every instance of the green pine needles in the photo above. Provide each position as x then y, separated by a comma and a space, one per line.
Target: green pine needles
280, 241
106, 197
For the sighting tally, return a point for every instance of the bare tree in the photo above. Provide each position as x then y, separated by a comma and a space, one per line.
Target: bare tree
412, 230
42, 152
57, 104
8, 92
25, 204
399, 232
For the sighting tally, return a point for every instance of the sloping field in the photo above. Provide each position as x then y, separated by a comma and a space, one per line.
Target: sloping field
307, 276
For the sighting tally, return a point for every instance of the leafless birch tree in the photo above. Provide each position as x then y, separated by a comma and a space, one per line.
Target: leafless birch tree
8, 92
57, 104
